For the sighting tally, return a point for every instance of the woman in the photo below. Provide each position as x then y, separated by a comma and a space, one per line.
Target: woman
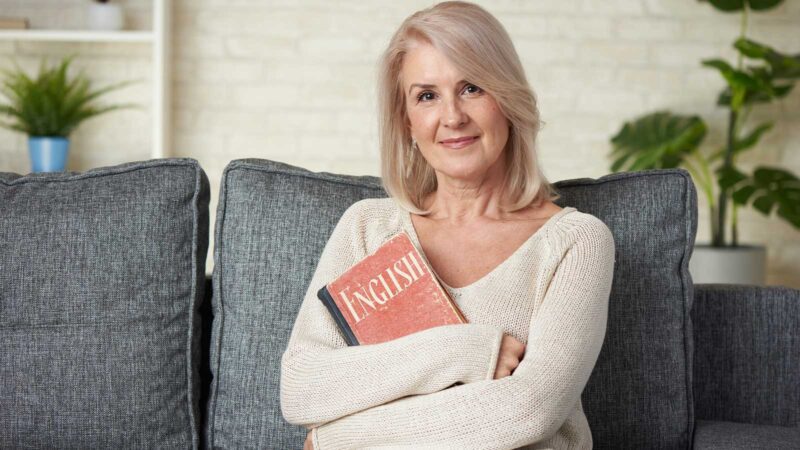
458, 128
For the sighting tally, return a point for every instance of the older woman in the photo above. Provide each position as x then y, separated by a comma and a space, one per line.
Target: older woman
458, 127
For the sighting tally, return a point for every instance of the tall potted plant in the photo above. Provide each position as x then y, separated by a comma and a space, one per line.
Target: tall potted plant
666, 140
48, 108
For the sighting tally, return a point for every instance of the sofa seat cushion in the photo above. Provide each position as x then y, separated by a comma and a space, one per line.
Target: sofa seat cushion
747, 353
100, 274
718, 435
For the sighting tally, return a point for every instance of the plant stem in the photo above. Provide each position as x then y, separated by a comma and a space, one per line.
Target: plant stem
719, 237
742, 30
738, 122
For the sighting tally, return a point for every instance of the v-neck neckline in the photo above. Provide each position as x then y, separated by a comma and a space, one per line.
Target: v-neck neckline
412, 231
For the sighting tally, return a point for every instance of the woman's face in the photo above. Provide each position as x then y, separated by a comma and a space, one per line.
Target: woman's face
459, 128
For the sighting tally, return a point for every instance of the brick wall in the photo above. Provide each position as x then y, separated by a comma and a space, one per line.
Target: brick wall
294, 81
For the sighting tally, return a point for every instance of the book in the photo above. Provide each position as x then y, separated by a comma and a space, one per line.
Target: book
387, 295
13, 23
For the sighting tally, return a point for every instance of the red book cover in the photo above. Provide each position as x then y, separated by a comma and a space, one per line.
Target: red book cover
387, 295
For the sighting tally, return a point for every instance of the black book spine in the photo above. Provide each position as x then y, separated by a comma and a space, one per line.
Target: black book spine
326, 298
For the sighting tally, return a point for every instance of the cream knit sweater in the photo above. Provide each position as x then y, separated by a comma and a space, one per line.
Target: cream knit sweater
551, 294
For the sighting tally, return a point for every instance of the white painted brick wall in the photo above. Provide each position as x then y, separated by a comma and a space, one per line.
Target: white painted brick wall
294, 81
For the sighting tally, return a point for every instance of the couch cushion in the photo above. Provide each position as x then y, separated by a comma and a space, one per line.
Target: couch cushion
273, 221
747, 354
717, 435
640, 392
100, 274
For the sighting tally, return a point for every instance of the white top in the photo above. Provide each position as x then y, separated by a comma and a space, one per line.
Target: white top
551, 293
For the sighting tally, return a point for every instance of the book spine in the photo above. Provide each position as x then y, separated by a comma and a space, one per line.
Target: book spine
329, 303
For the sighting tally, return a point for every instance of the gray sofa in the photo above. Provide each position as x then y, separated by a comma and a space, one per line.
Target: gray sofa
112, 336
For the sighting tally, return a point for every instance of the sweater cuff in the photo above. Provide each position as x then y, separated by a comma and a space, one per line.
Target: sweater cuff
315, 439
495, 355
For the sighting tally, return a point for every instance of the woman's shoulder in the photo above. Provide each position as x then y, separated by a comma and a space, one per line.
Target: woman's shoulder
371, 221
576, 225
370, 209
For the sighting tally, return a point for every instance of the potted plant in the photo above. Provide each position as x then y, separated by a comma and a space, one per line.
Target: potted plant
48, 108
666, 140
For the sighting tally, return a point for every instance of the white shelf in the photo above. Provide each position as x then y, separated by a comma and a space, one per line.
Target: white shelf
159, 41
77, 36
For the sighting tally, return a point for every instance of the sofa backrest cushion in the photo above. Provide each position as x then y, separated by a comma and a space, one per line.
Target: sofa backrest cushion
640, 392
100, 274
273, 221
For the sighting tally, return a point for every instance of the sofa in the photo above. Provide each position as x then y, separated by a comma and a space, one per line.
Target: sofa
113, 336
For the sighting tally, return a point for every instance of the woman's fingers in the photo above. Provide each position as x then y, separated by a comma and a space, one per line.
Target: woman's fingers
511, 352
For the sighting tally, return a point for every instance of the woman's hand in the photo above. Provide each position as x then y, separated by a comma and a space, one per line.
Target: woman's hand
511, 352
309, 444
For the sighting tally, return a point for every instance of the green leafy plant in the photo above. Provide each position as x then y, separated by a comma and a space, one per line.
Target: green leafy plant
666, 140
53, 103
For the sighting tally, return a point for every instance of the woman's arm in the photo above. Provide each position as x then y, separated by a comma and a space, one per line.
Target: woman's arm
323, 379
529, 406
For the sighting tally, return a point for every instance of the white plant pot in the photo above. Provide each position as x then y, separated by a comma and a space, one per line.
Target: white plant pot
744, 264
105, 16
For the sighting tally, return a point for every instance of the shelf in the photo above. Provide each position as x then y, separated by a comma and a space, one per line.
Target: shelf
158, 39
77, 36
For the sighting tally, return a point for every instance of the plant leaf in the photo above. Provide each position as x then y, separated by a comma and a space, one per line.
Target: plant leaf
775, 186
763, 5
727, 177
52, 103
743, 194
657, 140
727, 5
782, 66
737, 5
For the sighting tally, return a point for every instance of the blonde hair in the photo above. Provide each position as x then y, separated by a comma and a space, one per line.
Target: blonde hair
476, 43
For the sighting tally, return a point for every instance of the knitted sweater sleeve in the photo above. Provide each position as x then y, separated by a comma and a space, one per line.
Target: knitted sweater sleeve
323, 379
529, 406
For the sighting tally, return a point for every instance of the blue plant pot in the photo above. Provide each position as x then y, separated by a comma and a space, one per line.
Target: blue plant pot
48, 154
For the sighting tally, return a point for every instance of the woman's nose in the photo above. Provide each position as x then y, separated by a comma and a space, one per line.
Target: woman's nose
454, 116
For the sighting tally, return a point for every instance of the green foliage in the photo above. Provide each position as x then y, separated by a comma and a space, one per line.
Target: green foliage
769, 187
738, 5
659, 140
781, 67
744, 143
53, 103
663, 139
756, 84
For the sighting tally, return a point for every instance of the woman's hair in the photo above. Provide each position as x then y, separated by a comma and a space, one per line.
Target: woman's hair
478, 45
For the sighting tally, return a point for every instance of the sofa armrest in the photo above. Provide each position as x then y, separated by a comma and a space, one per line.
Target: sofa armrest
747, 354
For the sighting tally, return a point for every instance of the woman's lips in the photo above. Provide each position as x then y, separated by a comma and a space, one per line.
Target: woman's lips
459, 142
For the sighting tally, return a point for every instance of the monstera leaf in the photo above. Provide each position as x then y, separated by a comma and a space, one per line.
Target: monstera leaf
769, 186
744, 87
737, 5
659, 140
781, 66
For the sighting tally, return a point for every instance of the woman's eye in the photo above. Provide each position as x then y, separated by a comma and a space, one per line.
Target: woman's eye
472, 89
425, 96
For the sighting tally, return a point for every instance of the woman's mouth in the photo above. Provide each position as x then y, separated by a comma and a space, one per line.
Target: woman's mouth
459, 142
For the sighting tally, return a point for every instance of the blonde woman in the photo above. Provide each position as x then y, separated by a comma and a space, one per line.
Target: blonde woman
458, 159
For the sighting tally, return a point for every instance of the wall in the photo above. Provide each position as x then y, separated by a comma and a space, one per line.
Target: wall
293, 81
